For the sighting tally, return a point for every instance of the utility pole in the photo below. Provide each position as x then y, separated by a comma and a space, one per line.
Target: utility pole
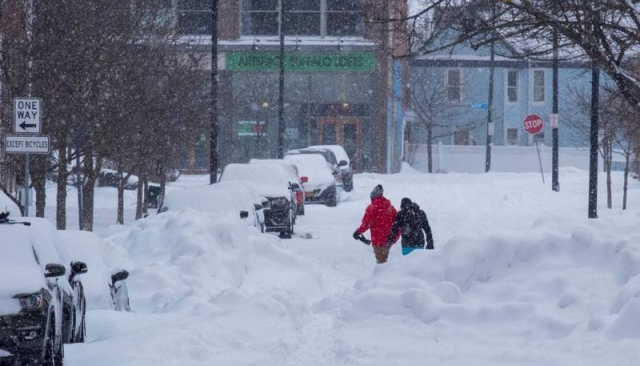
593, 156
281, 124
555, 184
213, 157
490, 126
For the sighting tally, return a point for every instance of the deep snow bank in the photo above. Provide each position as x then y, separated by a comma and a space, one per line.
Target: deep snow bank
180, 260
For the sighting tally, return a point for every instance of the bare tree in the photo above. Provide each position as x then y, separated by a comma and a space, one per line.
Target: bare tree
431, 104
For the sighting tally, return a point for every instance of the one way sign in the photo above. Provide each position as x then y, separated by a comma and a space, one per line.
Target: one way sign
26, 115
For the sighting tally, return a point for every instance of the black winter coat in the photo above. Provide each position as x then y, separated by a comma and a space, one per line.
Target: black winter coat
412, 222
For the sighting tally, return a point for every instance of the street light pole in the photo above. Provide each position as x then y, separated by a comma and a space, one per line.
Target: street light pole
213, 157
490, 125
281, 125
555, 184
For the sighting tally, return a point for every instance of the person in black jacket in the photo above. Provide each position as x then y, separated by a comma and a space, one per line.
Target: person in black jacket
413, 225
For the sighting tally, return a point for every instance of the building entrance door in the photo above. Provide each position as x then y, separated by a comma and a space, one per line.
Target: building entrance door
345, 131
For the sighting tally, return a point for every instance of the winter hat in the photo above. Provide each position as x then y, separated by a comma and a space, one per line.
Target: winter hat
405, 203
377, 191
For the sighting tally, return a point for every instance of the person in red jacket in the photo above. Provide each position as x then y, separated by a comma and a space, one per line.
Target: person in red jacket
378, 218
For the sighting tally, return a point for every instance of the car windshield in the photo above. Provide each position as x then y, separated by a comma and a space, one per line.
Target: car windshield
328, 155
257, 173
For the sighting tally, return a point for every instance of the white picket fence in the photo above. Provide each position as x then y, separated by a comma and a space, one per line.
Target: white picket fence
505, 159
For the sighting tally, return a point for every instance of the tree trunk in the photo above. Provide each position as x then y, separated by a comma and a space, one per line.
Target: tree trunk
608, 162
139, 200
627, 162
39, 182
145, 198
61, 194
89, 189
120, 214
429, 149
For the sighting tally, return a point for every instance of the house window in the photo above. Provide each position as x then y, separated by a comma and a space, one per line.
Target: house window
303, 17
512, 86
194, 16
538, 86
461, 137
512, 136
539, 137
454, 92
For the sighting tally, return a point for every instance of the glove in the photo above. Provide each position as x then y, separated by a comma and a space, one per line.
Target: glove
356, 235
430, 245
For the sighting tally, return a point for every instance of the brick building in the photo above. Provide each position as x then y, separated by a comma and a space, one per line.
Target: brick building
342, 86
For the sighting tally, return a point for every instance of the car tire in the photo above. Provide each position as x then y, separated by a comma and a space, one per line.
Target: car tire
301, 210
83, 328
72, 337
50, 346
289, 230
348, 183
332, 201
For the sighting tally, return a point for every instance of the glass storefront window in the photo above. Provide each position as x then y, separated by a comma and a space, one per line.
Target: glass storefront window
303, 17
260, 17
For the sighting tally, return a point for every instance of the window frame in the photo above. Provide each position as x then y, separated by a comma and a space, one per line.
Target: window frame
459, 86
517, 137
323, 13
515, 87
534, 87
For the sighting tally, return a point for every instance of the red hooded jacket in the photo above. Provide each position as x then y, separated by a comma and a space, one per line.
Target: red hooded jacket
378, 218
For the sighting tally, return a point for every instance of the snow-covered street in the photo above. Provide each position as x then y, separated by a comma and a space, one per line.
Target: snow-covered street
518, 276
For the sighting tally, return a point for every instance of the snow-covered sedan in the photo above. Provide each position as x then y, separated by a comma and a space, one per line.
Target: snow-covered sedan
271, 182
223, 198
32, 294
319, 184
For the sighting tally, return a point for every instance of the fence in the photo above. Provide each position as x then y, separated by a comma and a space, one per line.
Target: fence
505, 159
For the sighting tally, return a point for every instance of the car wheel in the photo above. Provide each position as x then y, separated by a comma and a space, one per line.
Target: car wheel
332, 201
50, 346
83, 328
301, 210
72, 336
58, 356
348, 183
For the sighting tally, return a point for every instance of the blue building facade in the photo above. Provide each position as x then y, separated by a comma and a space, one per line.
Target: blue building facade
454, 84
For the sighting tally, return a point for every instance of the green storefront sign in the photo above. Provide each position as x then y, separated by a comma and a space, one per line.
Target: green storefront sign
301, 61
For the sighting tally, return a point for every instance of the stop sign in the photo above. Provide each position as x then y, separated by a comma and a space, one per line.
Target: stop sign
533, 124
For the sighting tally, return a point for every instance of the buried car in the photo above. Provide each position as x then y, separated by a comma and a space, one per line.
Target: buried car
32, 288
271, 181
238, 198
294, 181
318, 184
340, 155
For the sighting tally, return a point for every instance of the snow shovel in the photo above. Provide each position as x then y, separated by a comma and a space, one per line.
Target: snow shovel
364, 240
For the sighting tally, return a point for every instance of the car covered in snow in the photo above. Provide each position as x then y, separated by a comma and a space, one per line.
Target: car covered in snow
332, 162
319, 185
224, 198
40, 293
295, 180
343, 163
271, 182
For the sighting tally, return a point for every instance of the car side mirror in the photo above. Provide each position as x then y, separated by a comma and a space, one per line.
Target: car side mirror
79, 268
120, 276
304, 179
244, 214
343, 163
54, 270
295, 186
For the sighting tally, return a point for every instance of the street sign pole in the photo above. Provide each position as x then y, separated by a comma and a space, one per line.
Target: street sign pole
533, 124
26, 185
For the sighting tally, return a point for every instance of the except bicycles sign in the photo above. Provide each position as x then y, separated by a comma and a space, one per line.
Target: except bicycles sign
533, 124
